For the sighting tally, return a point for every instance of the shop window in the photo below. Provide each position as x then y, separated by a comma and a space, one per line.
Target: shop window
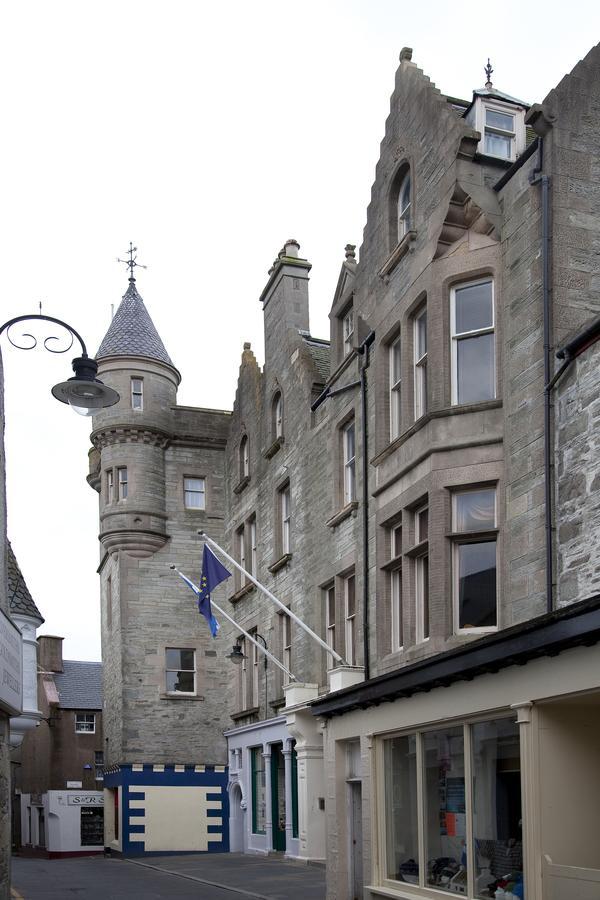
85, 723
420, 363
455, 831
92, 826
473, 351
395, 389
194, 493
137, 393
180, 671
474, 563
259, 798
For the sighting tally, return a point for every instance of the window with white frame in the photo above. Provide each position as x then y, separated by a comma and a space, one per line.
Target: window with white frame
474, 565
243, 644
285, 625
194, 493
254, 660
404, 206
395, 389
110, 486
329, 601
422, 574
85, 723
420, 365
277, 416
348, 438
499, 139
240, 550
395, 588
349, 587
122, 482
471, 839
473, 352
253, 547
137, 393
244, 457
180, 671
285, 519
348, 331
99, 765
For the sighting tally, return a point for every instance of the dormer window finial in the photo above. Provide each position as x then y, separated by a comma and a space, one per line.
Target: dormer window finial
488, 71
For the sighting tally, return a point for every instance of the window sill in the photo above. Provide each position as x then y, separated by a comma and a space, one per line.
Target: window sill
279, 563
277, 703
244, 713
193, 697
471, 537
418, 550
397, 253
274, 448
243, 483
246, 589
343, 513
392, 564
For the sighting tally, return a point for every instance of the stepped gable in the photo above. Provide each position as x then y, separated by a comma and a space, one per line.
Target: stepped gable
19, 599
132, 331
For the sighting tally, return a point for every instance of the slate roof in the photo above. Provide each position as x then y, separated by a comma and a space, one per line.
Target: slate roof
499, 95
19, 598
320, 352
80, 685
132, 331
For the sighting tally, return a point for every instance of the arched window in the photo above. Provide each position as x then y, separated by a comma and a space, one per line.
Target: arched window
404, 206
244, 457
277, 416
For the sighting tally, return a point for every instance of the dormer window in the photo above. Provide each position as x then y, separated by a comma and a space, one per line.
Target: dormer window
499, 133
404, 207
348, 331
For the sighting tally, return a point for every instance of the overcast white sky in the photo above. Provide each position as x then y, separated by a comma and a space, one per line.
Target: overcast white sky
207, 133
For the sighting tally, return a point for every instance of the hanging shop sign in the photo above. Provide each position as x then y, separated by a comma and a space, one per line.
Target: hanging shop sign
11, 667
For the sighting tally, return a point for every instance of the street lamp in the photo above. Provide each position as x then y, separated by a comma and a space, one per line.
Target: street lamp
83, 392
237, 656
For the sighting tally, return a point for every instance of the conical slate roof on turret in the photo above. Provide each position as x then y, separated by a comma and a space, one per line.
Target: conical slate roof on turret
132, 331
20, 600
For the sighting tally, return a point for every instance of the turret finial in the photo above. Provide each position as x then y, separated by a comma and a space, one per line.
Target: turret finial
131, 263
488, 71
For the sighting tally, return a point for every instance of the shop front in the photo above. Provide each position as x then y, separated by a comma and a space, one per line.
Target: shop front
479, 778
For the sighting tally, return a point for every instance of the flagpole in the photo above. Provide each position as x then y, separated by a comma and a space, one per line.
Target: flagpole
244, 632
272, 597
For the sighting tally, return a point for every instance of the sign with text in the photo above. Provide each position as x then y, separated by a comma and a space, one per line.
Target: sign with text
85, 800
11, 667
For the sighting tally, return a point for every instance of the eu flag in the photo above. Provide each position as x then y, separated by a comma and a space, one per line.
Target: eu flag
213, 573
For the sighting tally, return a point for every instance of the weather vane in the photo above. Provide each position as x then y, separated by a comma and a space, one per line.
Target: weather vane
131, 263
488, 71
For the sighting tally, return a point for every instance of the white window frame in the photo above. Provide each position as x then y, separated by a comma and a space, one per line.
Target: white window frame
349, 462
200, 492
330, 620
110, 485
241, 641
98, 765
137, 392
395, 381
254, 657
240, 549
404, 206
423, 621
82, 720
278, 416
253, 547
470, 537
502, 132
286, 645
244, 457
194, 670
455, 336
397, 618
122, 482
348, 331
420, 366
350, 619
285, 509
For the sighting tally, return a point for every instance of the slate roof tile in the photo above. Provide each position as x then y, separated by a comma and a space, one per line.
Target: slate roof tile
19, 598
80, 685
132, 331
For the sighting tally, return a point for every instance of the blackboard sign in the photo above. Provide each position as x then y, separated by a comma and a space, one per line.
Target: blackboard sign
92, 826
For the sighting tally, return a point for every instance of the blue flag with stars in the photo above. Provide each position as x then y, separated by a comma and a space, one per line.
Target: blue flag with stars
213, 573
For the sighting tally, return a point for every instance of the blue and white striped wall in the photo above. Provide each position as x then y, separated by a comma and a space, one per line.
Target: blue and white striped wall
170, 809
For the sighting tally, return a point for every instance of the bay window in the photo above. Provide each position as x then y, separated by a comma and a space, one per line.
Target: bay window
452, 808
473, 351
474, 563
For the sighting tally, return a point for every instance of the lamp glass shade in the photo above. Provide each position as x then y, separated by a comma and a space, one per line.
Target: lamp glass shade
236, 655
85, 396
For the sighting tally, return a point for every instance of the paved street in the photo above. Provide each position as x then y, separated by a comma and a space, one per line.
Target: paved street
213, 877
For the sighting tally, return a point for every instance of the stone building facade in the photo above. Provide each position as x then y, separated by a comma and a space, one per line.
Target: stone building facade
421, 490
